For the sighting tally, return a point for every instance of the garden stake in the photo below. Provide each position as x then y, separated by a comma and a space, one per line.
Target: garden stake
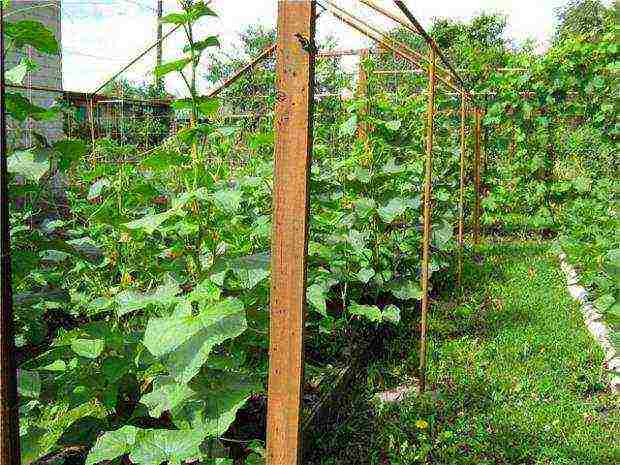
295, 87
385, 40
249, 67
462, 188
91, 112
9, 408
477, 179
428, 180
362, 93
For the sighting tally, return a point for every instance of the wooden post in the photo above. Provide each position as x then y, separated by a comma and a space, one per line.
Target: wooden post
295, 84
9, 409
362, 93
428, 186
462, 187
477, 181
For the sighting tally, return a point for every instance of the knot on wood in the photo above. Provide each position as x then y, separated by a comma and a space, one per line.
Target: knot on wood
307, 44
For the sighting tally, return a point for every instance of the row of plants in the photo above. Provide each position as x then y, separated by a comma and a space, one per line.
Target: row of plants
142, 288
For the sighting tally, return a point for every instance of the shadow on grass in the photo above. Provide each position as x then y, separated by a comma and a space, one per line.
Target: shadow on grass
511, 374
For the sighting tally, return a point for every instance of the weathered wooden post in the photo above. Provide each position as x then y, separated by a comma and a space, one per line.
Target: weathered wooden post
477, 181
462, 186
9, 410
295, 84
428, 186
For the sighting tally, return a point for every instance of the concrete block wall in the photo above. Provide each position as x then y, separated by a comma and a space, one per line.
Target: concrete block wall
48, 75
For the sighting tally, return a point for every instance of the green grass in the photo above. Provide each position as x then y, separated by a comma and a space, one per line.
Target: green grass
514, 379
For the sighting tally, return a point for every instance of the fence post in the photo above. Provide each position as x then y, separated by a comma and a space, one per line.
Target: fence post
295, 84
477, 181
9, 410
462, 187
428, 186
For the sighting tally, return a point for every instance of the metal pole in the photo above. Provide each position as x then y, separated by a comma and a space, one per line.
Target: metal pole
477, 178
293, 149
462, 187
9, 407
428, 182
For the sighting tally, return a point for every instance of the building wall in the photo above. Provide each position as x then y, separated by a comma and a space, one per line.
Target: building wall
48, 75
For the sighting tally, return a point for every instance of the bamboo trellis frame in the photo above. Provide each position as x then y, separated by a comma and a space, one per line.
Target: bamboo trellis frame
295, 79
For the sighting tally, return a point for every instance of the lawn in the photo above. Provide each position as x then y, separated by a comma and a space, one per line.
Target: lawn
514, 378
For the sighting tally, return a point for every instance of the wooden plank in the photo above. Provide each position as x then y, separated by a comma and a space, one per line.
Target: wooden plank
295, 84
462, 187
477, 181
428, 186
9, 411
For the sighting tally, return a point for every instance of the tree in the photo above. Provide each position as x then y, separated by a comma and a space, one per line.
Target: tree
588, 18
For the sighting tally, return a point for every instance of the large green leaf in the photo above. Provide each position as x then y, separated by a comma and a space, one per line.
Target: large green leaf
28, 384
394, 208
369, 312
391, 314
192, 14
183, 342
167, 395
154, 447
228, 200
88, 348
32, 33
162, 296
151, 223
113, 444
17, 74
317, 297
20, 108
31, 164
252, 269
96, 190
349, 127
442, 235
201, 45
172, 66
69, 151
406, 289
223, 395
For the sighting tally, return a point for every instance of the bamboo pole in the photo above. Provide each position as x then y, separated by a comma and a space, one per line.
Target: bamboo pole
397, 48
341, 53
428, 186
362, 93
138, 58
431, 42
477, 181
295, 85
249, 67
9, 407
91, 112
462, 187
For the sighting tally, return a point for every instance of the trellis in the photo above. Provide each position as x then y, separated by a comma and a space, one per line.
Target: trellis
296, 53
